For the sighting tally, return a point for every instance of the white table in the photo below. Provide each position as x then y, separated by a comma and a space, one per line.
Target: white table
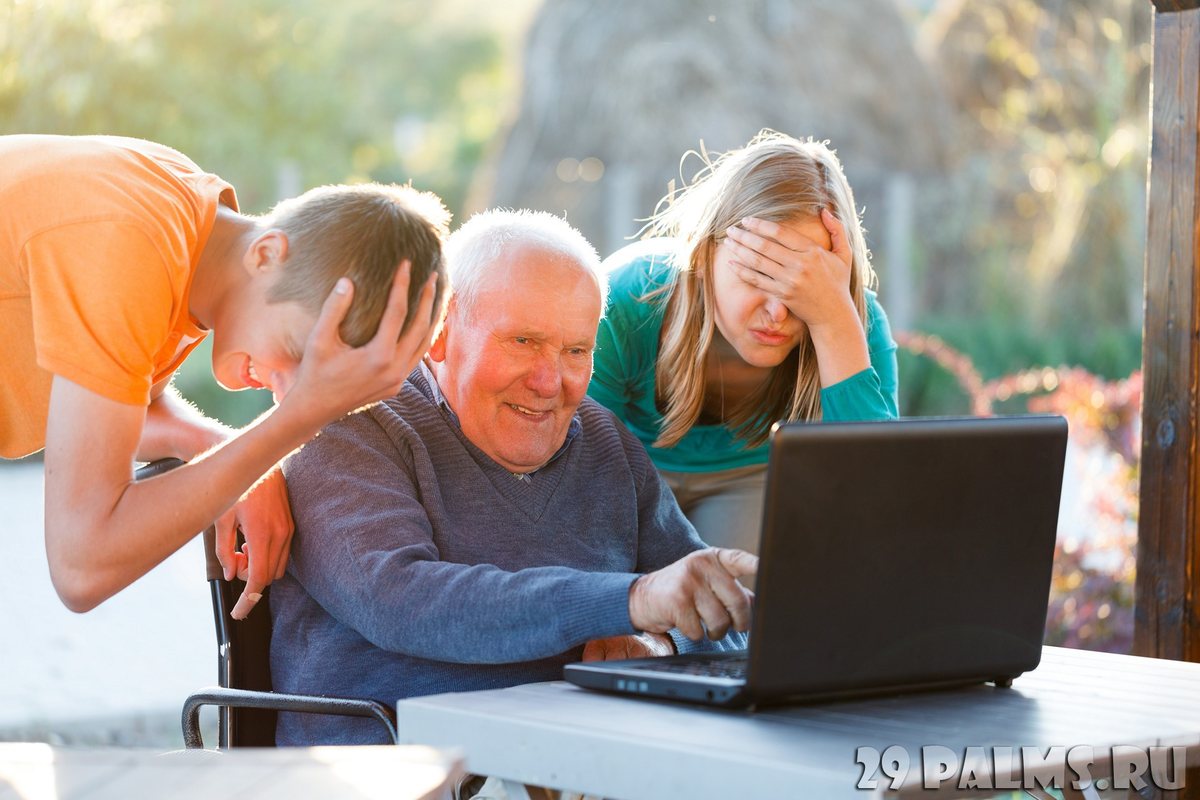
554, 734
42, 772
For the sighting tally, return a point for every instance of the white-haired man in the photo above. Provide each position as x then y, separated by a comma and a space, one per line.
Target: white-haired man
489, 523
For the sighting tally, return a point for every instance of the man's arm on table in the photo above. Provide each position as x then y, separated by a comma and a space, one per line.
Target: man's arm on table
664, 538
366, 554
104, 530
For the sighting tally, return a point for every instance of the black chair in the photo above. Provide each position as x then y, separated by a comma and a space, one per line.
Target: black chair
246, 706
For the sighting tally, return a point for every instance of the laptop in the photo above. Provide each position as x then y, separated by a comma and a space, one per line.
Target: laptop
895, 556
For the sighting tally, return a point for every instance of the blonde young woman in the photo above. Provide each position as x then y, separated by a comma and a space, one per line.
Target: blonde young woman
748, 303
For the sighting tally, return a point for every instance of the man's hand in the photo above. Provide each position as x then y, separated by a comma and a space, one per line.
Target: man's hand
642, 645
698, 591
335, 378
264, 517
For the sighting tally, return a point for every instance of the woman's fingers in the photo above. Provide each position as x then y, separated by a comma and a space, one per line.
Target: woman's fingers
762, 261
837, 234
785, 235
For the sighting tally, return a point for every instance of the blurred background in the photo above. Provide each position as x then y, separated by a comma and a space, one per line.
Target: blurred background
997, 148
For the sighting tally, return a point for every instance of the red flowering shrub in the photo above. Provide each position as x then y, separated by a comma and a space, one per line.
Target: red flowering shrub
1091, 596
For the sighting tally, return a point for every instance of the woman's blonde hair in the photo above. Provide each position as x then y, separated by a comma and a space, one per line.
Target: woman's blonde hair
776, 178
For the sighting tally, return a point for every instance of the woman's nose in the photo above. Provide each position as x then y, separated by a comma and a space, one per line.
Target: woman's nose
776, 309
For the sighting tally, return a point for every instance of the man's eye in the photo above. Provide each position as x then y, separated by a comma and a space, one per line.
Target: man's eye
521, 340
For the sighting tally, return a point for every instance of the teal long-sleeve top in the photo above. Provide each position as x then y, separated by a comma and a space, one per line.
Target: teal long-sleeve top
627, 351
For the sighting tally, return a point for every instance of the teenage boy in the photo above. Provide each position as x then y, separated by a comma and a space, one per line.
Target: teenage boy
117, 256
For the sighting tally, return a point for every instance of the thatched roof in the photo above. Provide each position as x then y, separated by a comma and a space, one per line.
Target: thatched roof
636, 84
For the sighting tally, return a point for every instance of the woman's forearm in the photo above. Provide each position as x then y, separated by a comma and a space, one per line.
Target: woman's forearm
841, 347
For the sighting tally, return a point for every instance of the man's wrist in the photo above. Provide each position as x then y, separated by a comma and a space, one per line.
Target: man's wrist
635, 603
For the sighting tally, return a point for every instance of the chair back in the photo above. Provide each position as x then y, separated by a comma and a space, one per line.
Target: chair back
243, 646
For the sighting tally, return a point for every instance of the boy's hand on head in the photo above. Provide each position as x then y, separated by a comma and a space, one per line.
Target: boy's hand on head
335, 378
264, 517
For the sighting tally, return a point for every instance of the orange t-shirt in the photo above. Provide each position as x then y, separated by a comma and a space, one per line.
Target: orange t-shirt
99, 241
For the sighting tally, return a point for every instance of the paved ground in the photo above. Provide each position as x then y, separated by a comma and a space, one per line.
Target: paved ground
118, 674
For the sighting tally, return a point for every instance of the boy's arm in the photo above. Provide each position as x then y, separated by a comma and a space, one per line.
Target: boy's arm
177, 429
103, 530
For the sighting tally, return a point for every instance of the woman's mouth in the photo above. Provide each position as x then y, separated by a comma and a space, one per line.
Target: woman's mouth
769, 338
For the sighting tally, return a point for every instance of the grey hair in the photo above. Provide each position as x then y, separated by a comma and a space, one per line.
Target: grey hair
487, 236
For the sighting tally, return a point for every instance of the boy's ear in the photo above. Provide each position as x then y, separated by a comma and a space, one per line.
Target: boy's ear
267, 252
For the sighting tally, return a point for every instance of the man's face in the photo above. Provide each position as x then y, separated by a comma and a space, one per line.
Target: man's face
516, 366
257, 344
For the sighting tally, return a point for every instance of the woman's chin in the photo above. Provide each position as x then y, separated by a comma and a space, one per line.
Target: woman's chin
764, 357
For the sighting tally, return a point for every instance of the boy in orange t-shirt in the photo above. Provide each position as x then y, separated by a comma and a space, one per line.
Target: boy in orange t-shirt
117, 256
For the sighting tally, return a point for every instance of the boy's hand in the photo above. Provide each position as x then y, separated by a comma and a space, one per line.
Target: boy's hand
264, 517
335, 379
642, 645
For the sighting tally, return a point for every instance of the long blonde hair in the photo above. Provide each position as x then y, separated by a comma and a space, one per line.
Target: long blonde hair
776, 178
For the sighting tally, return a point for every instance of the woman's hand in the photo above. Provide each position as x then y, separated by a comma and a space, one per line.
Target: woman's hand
812, 281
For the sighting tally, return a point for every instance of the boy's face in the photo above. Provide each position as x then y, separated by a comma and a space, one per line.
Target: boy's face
258, 344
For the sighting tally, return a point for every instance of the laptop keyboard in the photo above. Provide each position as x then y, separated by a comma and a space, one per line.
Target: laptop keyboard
734, 668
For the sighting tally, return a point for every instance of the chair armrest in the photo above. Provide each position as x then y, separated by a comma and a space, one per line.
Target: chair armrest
308, 704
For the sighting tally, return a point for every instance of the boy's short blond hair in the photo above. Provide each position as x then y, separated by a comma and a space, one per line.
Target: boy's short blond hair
362, 232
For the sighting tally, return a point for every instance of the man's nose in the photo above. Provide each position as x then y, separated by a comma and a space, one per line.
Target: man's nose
776, 309
545, 377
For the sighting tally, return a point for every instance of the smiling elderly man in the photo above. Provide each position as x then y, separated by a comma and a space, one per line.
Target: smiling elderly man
481, 527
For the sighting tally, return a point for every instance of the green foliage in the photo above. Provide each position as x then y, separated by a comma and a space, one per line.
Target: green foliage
273, 96
998, 347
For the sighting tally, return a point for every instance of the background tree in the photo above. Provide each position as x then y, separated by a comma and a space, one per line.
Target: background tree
274, 96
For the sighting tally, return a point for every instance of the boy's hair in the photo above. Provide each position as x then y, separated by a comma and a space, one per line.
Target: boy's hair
362, 232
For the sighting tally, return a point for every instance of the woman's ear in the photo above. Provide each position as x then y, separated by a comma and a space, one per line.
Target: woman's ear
266, 253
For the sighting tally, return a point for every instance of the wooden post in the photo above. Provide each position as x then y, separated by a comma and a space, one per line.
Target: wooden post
1168, 593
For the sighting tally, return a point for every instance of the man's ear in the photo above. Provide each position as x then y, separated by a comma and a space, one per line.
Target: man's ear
437, 349
266, 253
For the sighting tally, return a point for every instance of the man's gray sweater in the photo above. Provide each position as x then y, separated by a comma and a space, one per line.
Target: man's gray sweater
421, 566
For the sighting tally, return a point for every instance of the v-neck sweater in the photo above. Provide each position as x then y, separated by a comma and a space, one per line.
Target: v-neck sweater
419, 565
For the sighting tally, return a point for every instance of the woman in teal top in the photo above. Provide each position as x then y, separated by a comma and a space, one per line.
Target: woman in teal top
748, 303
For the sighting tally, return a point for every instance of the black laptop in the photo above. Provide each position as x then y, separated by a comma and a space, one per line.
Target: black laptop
896, 556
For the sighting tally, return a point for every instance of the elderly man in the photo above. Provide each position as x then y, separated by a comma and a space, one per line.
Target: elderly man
481, 527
